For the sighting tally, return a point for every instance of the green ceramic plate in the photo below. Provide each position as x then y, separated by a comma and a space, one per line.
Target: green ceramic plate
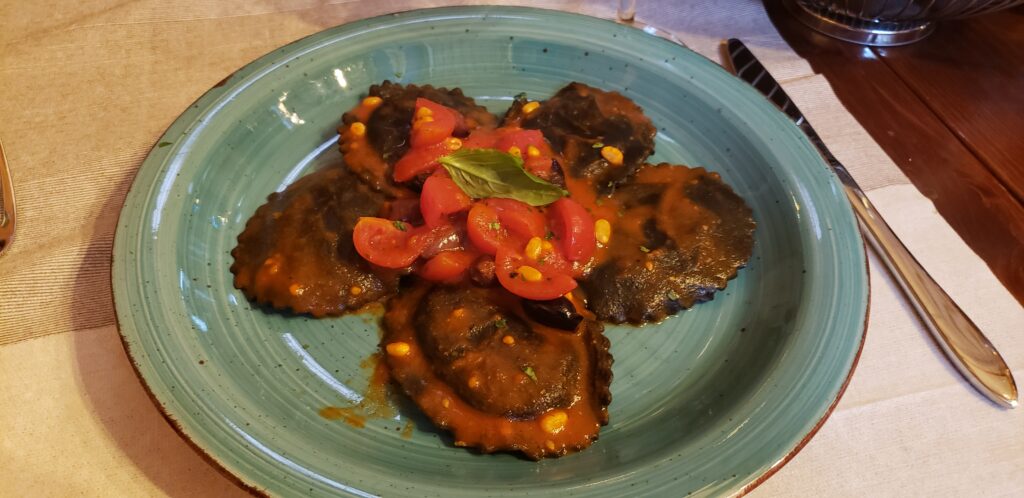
709, 402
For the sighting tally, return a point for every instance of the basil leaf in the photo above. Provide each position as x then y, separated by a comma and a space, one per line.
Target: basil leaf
482, 173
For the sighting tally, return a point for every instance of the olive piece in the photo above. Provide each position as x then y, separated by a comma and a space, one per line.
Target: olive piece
558, 313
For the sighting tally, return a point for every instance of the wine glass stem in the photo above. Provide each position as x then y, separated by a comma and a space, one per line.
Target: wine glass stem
627, 10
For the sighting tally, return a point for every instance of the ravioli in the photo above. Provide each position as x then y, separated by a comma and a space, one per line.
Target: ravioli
478, 367
682, 235
296, 251
579, 121
386, 116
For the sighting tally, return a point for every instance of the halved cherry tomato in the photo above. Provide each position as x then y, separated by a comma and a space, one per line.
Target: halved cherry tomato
485, 229
539, 164
420, 160
574, 229
522, 139
387, 243
519, 218
552, 284
433, 125
441, 197
482, 138
448, 266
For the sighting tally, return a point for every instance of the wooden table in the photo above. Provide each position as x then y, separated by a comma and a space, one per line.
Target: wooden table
949, 110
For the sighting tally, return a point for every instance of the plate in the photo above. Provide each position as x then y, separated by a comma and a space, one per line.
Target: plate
709, 402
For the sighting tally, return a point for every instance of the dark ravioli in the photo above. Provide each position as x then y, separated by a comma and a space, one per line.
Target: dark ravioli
682, 235
579, 119
498, 381
296, 252
388, 126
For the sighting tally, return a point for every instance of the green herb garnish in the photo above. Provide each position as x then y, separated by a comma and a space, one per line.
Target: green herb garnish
520, 97
644, 249
528, 370
399, 224
598, 145
550, 235
500, 323
494, 225
483, 173
672, 295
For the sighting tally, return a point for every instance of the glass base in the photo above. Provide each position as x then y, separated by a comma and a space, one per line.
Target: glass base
856, 30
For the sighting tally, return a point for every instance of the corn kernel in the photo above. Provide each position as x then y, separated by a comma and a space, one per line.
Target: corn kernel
459, 312
509, 340
602, 230
550, 445
453, 143
532, 151
474, 382
372, 101
515, 151
358, 129
554, 421
355, 290
548, 246
533, 248
530, 274
530, 107
271, 264
446, 402
649, 265
397, 348
296, 289
459, 443
612, 154
424, 112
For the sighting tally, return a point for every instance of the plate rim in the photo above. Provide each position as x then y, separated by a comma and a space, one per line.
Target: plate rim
220, 87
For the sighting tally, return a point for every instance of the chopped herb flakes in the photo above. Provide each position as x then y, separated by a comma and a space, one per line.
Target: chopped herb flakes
528, 370
399, 224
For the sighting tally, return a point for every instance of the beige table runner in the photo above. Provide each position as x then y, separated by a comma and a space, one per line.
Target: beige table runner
86, 89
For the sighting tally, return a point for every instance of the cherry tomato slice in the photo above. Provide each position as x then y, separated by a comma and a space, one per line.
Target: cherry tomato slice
485, 229
432, 125
519, 218
441, 197
386, 243
574, 229
448, 266
522, 139
482, 138
551, 285
420, 161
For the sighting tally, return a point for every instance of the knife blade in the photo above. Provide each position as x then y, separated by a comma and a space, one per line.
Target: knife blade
964, 344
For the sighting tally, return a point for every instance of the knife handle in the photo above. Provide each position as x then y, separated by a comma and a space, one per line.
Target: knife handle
969, 349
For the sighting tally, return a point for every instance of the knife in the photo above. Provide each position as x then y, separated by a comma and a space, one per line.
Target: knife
964, 344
